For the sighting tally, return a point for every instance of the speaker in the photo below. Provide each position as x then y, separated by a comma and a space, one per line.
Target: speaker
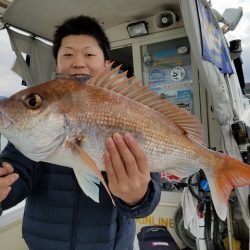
165, 19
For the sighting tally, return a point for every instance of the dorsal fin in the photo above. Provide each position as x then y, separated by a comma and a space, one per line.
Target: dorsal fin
131, 88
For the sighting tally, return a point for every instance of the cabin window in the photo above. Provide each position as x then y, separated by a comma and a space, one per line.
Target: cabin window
123, 56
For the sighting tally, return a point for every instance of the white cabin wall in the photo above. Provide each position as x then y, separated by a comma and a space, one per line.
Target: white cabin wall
212, 132
200, 97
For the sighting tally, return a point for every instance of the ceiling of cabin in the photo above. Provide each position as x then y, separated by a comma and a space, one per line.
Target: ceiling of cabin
41, 16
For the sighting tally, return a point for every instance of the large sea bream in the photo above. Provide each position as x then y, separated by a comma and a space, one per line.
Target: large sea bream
67, 122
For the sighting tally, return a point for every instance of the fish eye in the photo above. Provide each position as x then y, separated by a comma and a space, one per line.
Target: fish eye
32, 101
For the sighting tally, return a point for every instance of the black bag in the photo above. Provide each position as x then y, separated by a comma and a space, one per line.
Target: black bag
156, 238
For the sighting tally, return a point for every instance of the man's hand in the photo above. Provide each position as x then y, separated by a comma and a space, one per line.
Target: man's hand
7, 178
127, 168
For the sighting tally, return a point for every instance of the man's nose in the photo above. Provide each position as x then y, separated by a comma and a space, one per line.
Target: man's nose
79, 61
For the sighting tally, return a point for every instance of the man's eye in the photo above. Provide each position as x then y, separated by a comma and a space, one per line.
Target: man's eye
66, 55
89, 54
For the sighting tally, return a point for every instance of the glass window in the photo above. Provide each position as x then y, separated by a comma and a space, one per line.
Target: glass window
166, 69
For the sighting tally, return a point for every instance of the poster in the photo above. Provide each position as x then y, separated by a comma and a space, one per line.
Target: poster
179, 93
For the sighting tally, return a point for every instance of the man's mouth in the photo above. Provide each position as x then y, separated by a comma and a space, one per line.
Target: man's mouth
80, 75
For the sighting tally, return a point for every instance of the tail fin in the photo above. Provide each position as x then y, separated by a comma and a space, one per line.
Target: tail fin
228, 174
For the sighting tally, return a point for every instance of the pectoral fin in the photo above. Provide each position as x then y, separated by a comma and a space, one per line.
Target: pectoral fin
88, 178
87, 181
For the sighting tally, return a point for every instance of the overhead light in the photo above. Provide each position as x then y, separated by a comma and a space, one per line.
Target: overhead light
137, 29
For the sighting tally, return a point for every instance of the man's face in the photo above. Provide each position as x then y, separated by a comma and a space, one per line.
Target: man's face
80, 55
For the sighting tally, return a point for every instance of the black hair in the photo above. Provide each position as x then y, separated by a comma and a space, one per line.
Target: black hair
81, 25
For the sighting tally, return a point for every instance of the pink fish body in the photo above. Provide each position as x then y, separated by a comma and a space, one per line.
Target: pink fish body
67, 122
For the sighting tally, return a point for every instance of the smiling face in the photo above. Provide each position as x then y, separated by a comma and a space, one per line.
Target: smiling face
80, 54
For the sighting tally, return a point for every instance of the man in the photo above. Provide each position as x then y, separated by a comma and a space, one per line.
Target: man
58, 215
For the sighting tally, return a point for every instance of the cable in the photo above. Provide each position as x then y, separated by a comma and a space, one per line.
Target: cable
208, 222
212, 221
191, 189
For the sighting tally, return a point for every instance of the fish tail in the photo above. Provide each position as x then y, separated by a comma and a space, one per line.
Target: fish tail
228, 174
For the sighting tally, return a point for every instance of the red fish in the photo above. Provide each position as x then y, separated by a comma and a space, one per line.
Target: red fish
66, 122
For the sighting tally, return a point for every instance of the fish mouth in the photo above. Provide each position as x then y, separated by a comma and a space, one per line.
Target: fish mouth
4, 121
